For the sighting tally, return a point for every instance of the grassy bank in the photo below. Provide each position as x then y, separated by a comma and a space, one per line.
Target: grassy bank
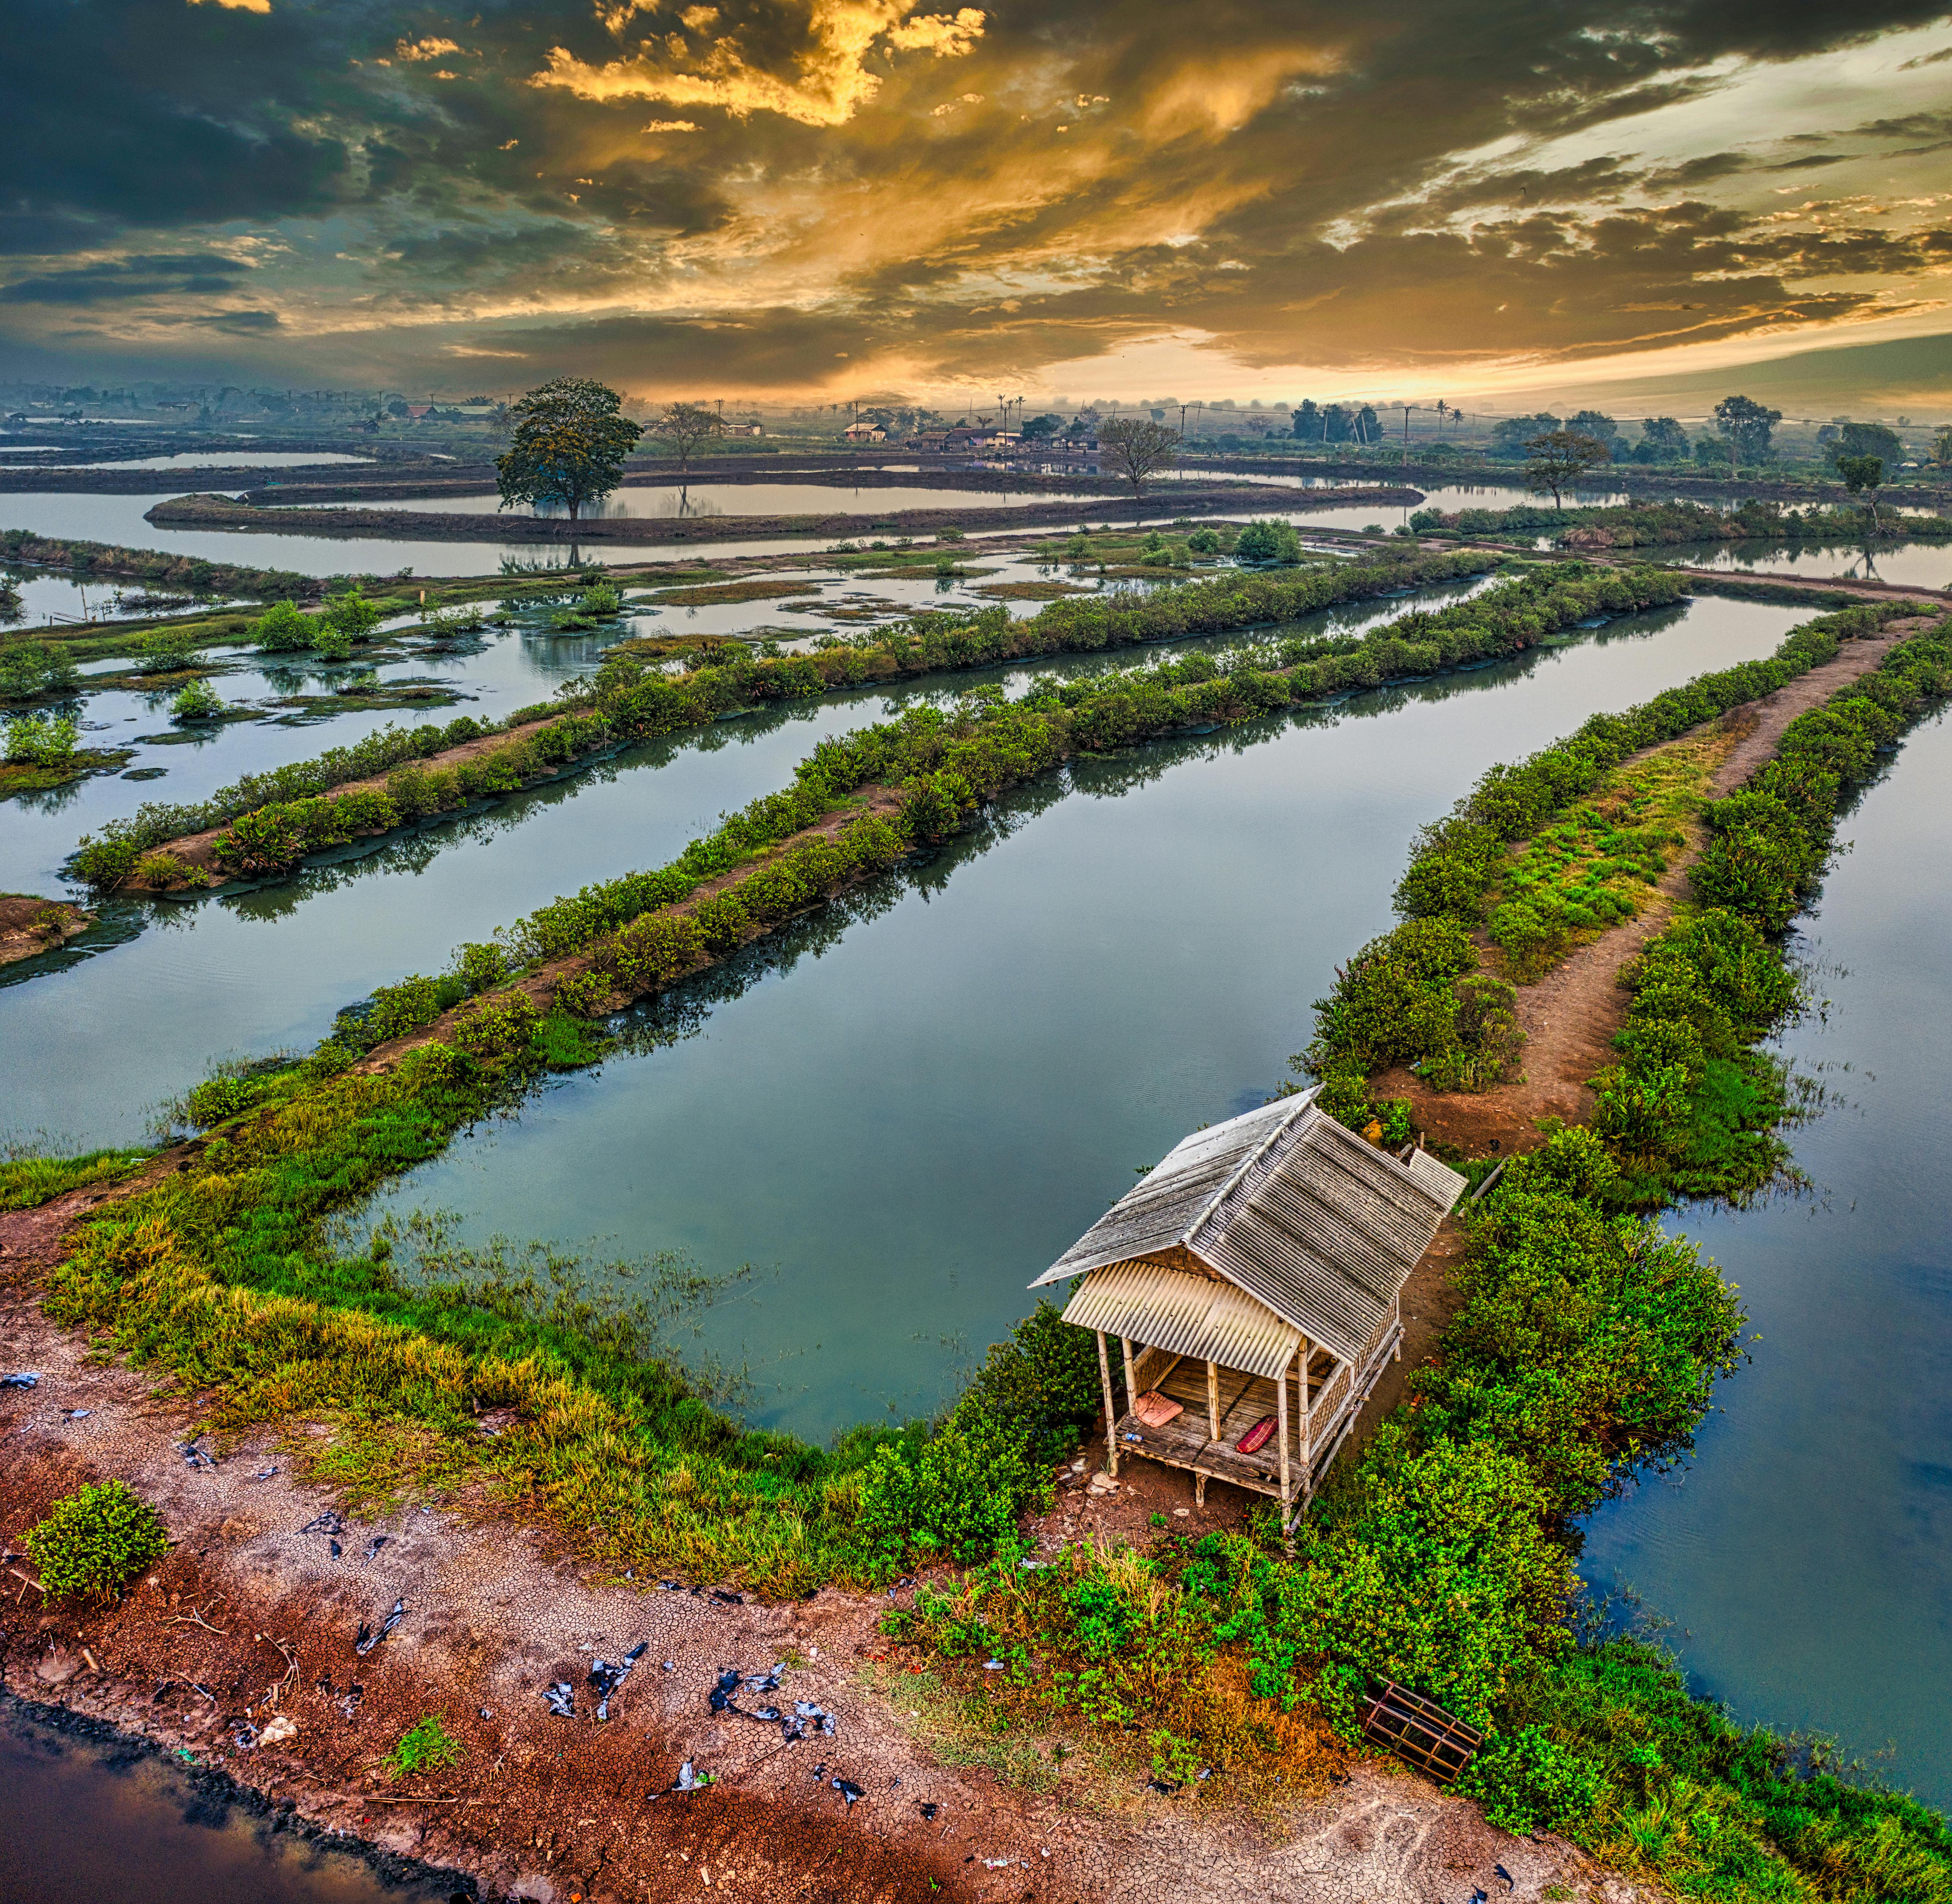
221, 1275
1420, 994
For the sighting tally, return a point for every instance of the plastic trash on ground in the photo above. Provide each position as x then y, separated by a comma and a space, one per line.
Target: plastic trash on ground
560, 1699
368, 1639
24, 1379
607, 1675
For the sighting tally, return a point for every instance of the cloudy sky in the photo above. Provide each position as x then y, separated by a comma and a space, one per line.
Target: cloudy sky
830, 198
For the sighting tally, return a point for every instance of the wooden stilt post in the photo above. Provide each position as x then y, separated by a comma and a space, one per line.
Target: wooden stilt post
1395, 1317
1111, 1410
1304, 1355
1213, 1401
1280, 1432
1131, 1383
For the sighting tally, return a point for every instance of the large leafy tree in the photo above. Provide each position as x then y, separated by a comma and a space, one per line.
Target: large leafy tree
1556, 460
1863, 476
1748, 426
570, 439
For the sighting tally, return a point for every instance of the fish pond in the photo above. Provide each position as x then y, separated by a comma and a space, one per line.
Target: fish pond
141, 1005
900, 1111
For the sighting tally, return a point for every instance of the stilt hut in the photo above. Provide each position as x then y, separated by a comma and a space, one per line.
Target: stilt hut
1254, 1283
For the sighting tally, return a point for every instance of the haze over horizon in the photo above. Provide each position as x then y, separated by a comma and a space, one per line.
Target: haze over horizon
817, 200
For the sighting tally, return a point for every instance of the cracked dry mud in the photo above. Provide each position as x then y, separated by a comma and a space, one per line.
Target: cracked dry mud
548, 1808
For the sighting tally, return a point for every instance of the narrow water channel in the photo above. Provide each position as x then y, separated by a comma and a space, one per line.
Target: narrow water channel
898, 1138
86, 1821
1805, 1557
139, 1007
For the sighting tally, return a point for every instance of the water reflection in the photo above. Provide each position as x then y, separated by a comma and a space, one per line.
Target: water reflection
99, 1820
911, 1132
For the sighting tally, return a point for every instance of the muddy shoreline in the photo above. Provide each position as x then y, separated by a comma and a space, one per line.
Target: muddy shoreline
204, 511
251, 1619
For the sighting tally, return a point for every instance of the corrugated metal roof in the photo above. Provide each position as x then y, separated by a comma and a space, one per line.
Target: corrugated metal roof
1299, 1212
1201, 1317
1162, 1209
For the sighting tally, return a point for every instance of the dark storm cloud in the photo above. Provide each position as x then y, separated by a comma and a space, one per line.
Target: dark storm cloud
159, 115
981, 191
166, 275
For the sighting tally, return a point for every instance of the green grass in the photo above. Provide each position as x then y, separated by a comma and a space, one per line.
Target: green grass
26, 1182
424, 1748
1593, 865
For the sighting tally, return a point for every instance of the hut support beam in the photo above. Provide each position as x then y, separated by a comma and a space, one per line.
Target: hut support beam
1131, 1381
1111, 1409
1212, 1400
1280, 1432
1304, 1355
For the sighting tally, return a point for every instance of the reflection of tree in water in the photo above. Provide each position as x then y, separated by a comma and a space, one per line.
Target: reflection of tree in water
679, 502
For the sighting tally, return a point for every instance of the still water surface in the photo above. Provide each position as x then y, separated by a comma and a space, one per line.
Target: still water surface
88, 1823
1806, 1556
900, 1137
140, 1006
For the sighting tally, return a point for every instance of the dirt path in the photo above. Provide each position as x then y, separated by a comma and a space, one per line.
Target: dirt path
262, 1618
1570, 1017
31, 926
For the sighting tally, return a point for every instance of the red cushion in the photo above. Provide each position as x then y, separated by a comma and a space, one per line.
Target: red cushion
1257, 1436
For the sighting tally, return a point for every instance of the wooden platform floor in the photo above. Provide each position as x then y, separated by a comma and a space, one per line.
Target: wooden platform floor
1245, 1399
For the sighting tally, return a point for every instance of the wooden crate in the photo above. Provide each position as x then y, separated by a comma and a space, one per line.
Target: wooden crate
1418, 1732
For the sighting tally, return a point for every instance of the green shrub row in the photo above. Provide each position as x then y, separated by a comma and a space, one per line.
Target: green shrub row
1691, 1108
631, 699
177, 571
103, 861
1654, 525
943, 763
1415, 996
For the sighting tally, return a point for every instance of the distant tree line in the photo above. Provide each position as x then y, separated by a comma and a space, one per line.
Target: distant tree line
1335, 423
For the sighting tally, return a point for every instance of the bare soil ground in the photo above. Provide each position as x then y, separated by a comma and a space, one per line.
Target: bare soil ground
1570, 1017
249, 1621
21, 937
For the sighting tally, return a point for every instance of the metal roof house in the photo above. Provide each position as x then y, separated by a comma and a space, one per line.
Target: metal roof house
1258, 1272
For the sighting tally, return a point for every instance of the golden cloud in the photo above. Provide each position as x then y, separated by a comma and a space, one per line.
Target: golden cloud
1220, 96
240, 6
407, 49
829, 82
